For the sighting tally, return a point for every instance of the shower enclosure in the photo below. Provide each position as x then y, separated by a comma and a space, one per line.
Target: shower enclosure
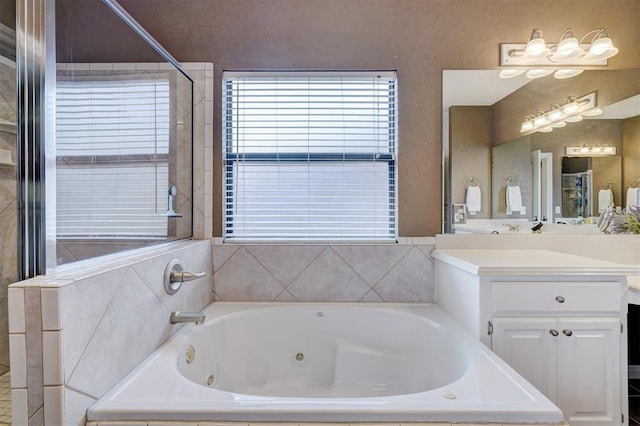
8, 205
8, 198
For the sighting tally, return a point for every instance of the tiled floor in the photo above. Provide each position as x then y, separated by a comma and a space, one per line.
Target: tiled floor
634, 402
5, 399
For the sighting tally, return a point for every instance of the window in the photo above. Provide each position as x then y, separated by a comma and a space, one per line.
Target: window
310, 156
112, 149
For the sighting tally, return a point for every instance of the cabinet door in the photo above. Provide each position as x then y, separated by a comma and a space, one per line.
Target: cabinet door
589, 371
529, 346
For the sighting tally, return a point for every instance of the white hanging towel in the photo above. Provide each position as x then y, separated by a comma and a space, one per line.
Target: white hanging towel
514, 199
474, 198
633, 197
605, 199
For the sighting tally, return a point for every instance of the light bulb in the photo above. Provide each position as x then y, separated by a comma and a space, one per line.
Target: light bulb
526, 126
540, 119
570, 107
592, 112
546, 129
538, 73
555, 113
510, 73
601, 47
567, 73
535, 49
568, 48
574, 119
558, 124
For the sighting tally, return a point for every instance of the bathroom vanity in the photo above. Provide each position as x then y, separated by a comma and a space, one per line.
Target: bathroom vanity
558, 319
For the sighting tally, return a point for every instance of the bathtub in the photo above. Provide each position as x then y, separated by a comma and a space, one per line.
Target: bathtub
315, 362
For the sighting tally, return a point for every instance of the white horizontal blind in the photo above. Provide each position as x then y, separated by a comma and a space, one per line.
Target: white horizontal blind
310, 156
112, 146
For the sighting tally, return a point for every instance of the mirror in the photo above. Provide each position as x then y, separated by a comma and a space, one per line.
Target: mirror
123, 138
482, 141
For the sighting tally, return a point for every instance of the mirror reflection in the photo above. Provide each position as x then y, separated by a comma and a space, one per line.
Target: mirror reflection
123, 141
566, 176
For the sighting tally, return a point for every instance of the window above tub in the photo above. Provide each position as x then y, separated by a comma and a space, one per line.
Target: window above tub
310, 156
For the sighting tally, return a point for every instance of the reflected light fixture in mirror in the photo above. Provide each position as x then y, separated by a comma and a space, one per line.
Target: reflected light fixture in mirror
590, 150
571, 111
564, 59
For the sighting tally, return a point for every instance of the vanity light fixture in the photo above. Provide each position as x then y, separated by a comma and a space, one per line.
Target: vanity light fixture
571, 111
565, 59
590, 150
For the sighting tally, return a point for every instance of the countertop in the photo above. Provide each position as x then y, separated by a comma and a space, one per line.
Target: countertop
533, 262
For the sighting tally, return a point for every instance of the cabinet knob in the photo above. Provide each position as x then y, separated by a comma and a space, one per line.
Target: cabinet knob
567, 332
553, 332
559, 299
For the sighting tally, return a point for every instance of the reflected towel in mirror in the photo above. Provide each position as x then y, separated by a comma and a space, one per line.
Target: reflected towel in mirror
633, 197
514, 199
605, 199
474, 198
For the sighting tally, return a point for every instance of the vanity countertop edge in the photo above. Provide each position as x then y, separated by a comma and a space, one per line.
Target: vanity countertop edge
526, 262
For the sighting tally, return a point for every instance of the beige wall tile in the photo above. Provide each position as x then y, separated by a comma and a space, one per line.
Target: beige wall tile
83, 303
411, 280
328, 279
285, 262
53, 405
75, 407
33, 326
371, 262
51, 313
134, 324
243, 278
52, 365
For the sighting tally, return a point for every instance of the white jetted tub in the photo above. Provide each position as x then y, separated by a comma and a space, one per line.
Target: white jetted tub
325, 362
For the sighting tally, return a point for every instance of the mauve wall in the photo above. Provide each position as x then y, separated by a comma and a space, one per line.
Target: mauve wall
631, 150
470, 154
8, 13
418, 38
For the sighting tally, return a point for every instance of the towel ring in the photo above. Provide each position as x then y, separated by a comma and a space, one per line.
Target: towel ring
606, 185
471, 182
634, 183
511, 181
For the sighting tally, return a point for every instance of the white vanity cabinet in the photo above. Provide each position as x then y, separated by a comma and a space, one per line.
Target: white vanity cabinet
565, 339
558, 320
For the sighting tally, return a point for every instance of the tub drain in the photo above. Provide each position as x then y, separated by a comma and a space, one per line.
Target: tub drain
210, 380
299, 359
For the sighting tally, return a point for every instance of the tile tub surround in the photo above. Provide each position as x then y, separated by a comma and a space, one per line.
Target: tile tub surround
402, 272
77, 332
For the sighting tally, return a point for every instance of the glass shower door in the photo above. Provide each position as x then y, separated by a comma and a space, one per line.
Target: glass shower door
8, 200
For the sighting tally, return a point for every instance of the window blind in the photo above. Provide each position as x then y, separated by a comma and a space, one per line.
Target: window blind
112, 146
310, 156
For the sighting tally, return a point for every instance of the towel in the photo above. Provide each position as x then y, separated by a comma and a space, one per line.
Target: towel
474, 198
514, 199
633, 197
605, 199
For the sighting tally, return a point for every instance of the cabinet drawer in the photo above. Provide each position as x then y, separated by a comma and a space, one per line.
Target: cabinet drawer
555, 296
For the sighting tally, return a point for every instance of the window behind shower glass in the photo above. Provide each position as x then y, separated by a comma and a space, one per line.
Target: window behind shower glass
309, 156
112, 145
123, 138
